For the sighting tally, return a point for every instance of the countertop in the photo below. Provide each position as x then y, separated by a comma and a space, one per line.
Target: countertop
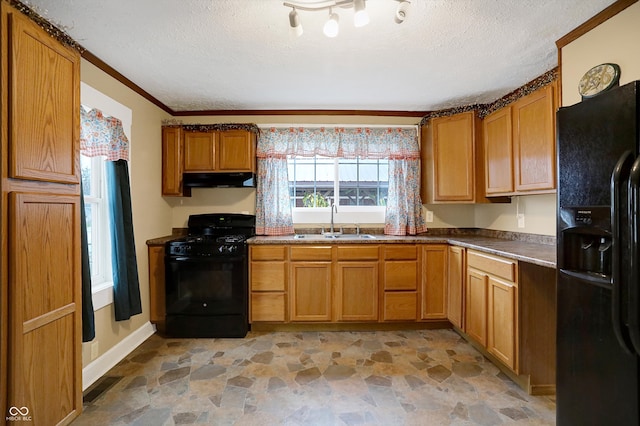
538, 250
524, 251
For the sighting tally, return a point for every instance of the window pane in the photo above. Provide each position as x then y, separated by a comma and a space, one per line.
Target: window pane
311, 181
363, 182
85, 170
88, 213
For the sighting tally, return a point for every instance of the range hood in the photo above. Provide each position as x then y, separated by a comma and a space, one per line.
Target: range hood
219, 180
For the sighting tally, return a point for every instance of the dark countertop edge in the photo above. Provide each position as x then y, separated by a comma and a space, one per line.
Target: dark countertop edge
535, 253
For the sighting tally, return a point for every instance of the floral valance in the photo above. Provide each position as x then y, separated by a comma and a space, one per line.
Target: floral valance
357, 142
102, 135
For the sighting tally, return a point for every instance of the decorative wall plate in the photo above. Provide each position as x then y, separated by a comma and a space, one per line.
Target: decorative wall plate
599, 79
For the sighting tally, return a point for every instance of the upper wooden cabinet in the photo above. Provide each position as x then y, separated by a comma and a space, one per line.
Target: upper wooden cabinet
449, 166
172, 163
498, 144
200, 151
44, 105
534, 141
203, 152
519, 142
228, 151
236, 151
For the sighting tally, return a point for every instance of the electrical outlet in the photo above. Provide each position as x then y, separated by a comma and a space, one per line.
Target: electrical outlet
94, 350
521, 220
429, 216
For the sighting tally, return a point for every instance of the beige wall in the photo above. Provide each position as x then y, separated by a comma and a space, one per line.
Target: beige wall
615, 41
151, 213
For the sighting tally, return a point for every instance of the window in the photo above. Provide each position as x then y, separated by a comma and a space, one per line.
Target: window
96, 210
362, 186
97, 217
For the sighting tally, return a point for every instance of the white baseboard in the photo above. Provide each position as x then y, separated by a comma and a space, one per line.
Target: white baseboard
99, 367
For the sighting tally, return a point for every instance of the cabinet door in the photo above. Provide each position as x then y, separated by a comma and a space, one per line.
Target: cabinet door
498, 152
310, 291
455, 287
356, 291
434, 282
156, 285
200, 151
534, 141
172, 161
501, 339
453, 157
44, 107
44, 354
236, 151
476, 306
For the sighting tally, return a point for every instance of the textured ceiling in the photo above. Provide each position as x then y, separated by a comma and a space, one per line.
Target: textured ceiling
239, 54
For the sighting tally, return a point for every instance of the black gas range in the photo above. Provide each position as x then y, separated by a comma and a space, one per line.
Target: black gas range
207, 277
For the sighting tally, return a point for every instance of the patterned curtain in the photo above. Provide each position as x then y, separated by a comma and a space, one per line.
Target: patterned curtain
399, 145
104, 136
100, 135
404, 207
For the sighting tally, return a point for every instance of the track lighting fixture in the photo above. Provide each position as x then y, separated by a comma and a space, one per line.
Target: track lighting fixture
402, 11
331, 27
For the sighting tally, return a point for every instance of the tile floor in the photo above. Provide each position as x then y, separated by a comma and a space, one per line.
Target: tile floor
417, 377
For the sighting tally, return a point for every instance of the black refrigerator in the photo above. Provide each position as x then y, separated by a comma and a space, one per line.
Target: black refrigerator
598, 284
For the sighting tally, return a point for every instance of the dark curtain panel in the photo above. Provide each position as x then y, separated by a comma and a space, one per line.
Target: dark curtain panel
126, 287
88, 325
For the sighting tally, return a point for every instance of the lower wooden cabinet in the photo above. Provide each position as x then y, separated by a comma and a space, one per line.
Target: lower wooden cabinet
501, 333
492, 305
400, 282
455, 286
476, 306
310, 291
434, 282
268, 283
157, 306
356, 283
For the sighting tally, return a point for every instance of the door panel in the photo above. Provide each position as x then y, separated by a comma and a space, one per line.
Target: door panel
44, 306
44, 130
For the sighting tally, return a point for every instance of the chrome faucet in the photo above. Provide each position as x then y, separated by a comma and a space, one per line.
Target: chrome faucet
333, 208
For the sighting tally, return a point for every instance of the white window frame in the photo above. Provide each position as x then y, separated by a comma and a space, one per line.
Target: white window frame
102, 291
345, 215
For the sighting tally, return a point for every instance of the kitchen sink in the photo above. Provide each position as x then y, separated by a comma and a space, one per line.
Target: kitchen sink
334, 236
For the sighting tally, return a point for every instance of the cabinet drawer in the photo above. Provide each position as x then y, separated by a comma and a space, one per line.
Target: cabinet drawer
401, 275
400, 306
497, 266
311, 253
357, 252
268, 307
401, 252
268, 276
268, 252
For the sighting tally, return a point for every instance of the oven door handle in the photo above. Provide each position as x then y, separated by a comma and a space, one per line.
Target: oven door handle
216, 259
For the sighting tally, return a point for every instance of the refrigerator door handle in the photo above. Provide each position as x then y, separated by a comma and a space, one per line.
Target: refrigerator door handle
619, 176
634, 252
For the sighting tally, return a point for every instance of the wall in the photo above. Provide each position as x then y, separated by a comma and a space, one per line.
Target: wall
151, 213
615, 41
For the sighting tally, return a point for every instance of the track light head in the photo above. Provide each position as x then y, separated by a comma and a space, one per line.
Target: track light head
331, 27
360, 17
402, 11
294, 22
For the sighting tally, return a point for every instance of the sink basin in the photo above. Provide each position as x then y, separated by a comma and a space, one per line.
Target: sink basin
334, 236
